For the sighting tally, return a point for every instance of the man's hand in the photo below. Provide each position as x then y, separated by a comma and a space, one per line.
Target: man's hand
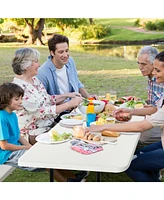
74, 94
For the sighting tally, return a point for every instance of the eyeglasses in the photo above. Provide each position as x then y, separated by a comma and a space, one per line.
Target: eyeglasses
141, 63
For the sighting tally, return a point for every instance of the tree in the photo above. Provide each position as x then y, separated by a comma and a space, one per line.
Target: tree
91, 21
64, 23
35, 31
35, 26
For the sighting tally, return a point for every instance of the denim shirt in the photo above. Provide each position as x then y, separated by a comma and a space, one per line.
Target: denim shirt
47, 75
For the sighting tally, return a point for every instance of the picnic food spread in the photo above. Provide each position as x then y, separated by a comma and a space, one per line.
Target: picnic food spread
79, 133
130, 102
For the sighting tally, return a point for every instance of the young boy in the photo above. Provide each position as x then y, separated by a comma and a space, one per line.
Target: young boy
12, 144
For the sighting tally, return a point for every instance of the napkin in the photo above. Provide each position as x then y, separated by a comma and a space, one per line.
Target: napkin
85, 148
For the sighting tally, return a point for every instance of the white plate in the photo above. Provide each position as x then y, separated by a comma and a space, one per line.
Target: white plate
70, 122
45, 138
93, 123
71, 115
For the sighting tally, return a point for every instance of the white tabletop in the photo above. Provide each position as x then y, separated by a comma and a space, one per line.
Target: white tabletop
113, 158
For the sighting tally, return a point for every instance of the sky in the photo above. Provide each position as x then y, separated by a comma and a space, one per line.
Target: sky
80, 9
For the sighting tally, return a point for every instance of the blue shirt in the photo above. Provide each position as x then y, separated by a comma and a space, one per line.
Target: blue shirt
9, 131
155, 91
47, 75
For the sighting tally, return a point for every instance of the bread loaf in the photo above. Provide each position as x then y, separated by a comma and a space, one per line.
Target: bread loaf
110, 133
79, 131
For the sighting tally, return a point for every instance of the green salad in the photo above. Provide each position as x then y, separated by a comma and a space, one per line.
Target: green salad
86, 103
132, 103
60, 137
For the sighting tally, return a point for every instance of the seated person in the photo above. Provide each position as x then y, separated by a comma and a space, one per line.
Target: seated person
147, 161
39, 108
12, 144
145, 58
58, 73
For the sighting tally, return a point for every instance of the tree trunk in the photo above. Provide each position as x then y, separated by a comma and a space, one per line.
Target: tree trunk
31, 35
91, 21
38, 31
35, 35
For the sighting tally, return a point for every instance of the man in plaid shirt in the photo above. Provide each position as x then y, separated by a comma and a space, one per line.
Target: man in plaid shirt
155, 91
146, 57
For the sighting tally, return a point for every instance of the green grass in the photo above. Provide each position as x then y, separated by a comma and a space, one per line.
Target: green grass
116, 33
94, 71
115, 21
130, 35
23, 176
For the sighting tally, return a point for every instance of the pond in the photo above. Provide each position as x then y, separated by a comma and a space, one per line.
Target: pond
128, 52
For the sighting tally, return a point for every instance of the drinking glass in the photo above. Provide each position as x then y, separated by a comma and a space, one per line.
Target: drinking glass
113, 95
101, 95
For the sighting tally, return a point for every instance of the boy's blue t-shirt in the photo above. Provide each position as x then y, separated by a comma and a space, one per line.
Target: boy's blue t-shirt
9, 131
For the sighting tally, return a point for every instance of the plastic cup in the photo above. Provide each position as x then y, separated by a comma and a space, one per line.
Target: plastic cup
113, 95
101, 95
90, 117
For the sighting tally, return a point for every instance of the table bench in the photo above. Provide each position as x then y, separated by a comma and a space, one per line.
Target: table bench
5, 171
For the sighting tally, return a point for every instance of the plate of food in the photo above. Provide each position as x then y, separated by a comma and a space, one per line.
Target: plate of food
53, 137
97, 138
93, 137
74, 116
133, 104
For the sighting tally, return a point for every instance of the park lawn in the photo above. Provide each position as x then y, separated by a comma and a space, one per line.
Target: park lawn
96, 72
117, 32
115, 21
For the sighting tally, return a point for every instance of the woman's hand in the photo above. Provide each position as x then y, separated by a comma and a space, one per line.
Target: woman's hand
122, 114
74, 94
74, 102
121, 110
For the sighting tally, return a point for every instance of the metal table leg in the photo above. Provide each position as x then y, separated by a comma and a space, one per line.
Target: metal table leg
51, 175
98, 176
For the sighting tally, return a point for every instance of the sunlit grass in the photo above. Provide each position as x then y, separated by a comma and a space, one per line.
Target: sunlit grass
116, 21
116, 73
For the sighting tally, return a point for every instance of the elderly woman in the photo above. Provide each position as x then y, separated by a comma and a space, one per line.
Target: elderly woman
39, 109
147, 161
